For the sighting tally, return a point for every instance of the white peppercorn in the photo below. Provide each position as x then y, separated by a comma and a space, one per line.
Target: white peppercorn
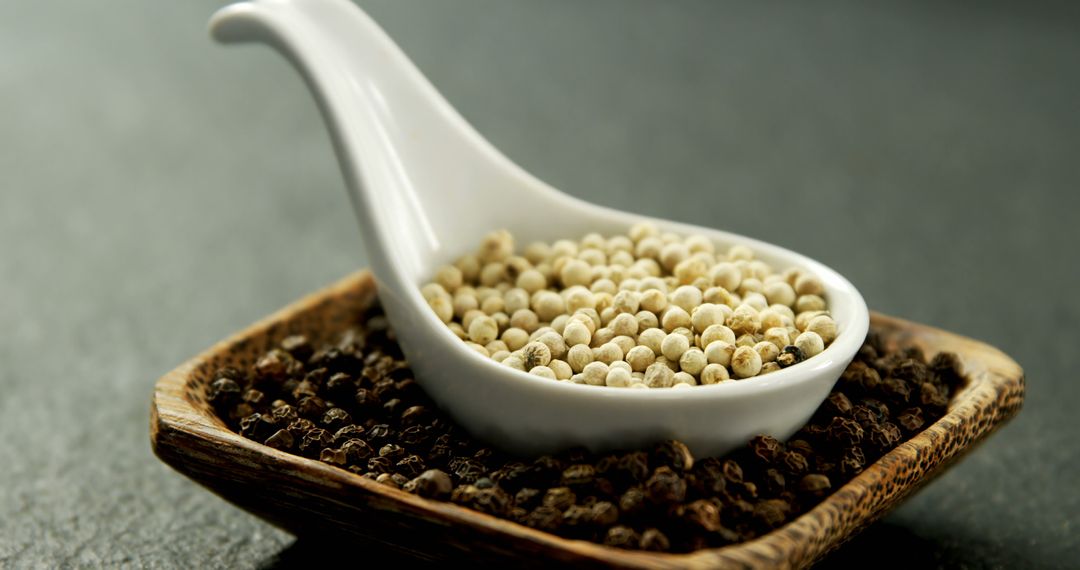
646, 320
525, 319
672, 253
778, 336
674, 317
543, 372
576, 272
746, 362
681, 379
618, 378
689, 334
443, 307
689, 270
744, 320
607, 353
483, 330
824, 326
561, 369
803, 319
719, 352
651, 338
810, 343
602, 336
433, 290
515, 338
809, 303
779, 292
713, 374
658, 375
631, 303
687, 297
809, 285
535, 354
595, 373
576, 333
746, 340
768, 367
756, 300
464, 302
547, 305
640, 357
717, 332
578, 357
673, 346
750, 285
555, 344
740, 251
625, 343
624, 324
767, 351
531, 281
593, 258
492, 305
502, 319
693, 361
706, 315
479, 349
469, 265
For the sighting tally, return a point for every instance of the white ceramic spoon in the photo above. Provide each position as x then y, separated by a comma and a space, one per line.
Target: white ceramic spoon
427, 187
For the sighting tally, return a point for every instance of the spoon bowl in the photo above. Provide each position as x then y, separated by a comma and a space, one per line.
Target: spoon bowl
427, 187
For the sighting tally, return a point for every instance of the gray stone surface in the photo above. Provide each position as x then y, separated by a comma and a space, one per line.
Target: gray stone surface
158, 192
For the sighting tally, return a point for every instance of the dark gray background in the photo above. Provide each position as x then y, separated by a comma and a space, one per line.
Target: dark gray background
158, 192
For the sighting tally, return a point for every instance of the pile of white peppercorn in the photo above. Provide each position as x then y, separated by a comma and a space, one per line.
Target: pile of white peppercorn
642, 310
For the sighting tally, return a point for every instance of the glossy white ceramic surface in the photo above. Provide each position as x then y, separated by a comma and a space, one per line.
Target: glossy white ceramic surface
427, 187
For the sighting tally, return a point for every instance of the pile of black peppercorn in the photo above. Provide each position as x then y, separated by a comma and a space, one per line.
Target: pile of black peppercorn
356, 405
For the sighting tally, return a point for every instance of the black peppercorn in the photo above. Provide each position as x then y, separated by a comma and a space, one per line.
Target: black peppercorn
314, 441
356, 451
604, 513
544, 518
654, 540
363, 393
433, 484
665, 487
298, 346
380, 464
411, 465
559, 498
351, 431
622, 537
282, 439
701, 514
766, 449
414, 415
633, 501
336, 418
771, 513
578, 475
274, 365
379, 434
334, 456
789, 356
674, 454
224, 392
311, 407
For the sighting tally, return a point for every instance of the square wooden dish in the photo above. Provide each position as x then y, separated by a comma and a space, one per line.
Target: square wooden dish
307, 497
